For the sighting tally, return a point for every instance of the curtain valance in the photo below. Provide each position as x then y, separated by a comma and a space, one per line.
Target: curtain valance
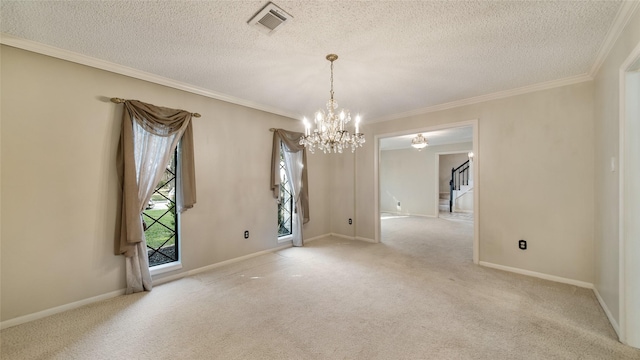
149, 138
159, 121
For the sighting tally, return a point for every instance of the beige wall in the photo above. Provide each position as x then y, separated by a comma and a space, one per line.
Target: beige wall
404, 176
409, 176
532, 140
606, 182
60, 188
341, 193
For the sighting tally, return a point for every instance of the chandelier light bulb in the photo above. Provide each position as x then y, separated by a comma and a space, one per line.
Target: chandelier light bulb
307, 127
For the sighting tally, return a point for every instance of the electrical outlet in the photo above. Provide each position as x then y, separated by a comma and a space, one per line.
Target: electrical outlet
522, 244
350, 221
246, 234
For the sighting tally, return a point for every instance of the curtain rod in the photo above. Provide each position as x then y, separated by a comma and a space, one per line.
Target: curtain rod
120, 101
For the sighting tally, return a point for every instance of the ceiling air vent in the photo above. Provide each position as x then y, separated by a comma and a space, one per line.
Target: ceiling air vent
270, 19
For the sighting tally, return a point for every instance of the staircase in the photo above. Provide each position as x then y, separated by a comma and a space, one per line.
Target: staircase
443, 204
459, 185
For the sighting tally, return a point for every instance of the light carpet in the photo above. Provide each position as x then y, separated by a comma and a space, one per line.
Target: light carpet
417, 295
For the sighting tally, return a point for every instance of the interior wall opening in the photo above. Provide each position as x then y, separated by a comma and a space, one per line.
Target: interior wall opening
409, 212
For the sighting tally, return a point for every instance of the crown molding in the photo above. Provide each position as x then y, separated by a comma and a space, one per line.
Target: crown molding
81, 59
482, 98
623, 16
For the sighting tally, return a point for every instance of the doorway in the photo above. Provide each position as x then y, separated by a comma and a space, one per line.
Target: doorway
406, 183
629, 201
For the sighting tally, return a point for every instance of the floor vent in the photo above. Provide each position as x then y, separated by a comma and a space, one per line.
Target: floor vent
270, 19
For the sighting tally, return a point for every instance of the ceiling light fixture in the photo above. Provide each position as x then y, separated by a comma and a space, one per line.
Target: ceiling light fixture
329, 134
419, 142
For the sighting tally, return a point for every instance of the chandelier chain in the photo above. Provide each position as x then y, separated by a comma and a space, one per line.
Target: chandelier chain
331, 92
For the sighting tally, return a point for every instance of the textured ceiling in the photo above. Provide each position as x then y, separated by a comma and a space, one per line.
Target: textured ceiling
395, 57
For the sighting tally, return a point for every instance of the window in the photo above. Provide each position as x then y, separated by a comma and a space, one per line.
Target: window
161, 219
285, 206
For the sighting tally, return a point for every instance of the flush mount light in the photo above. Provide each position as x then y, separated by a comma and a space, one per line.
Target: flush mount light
419, 142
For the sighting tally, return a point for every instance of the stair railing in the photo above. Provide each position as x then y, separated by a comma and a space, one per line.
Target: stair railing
459, 176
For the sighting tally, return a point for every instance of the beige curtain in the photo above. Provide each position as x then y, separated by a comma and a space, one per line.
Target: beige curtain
148, 139
297, 174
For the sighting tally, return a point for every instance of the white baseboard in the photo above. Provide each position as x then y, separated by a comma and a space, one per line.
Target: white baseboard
343, 236
58, 309
395, 213
217, 265
317, 238
604, 306
76, 304
366, 239
358, 238
559, 279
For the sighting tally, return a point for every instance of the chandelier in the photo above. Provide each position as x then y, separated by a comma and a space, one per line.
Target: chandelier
419, 142
329, 134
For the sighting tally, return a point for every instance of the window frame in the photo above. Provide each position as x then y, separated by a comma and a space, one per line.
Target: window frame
177, 264
285, 185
